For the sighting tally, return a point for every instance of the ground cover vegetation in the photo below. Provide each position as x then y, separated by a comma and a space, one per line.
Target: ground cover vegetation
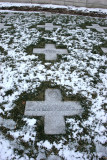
81, 76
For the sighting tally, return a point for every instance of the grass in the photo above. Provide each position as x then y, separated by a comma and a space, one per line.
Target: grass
17, 113
77, 68
3, 51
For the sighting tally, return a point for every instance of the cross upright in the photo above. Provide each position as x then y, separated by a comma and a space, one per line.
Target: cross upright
53, 109
48, 26
50, 51
97, 27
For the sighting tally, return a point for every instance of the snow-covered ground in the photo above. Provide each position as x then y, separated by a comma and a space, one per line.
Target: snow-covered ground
81, 74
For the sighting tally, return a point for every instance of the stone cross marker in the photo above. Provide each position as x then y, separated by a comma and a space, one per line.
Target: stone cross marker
8, 123
53, 109
50, 51
48, 26
8, 15
97, 27
2, 25
47, 14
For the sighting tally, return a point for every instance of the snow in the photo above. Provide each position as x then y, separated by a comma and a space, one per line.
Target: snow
6, 151
58, 146
68, 154
27, 133
47, 145
75, 72
30, 122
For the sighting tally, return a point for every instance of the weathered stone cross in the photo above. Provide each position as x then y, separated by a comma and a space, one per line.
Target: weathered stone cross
2, 25
53, 109
50, 51
97, 27
48, 26
47, 14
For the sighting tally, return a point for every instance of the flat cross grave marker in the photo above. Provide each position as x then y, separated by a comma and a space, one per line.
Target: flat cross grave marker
50, 51
47, 14
48, 26
97, 27
53, 109
2, 25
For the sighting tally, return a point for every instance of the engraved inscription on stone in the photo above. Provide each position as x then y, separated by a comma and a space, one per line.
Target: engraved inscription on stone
50, 51
48, 26
97, 27
53, 109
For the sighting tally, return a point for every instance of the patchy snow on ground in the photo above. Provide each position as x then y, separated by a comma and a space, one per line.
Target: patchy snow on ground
81, 74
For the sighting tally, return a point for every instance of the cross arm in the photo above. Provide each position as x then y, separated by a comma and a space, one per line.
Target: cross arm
41, 26
34, 108
38, 50
41, 108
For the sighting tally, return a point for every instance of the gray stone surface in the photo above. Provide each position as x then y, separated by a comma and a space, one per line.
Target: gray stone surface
80, 3
50, 51
104, 49
46, 14
53, 109
97, 27
54, 157
8, 123
3, 25
48, 26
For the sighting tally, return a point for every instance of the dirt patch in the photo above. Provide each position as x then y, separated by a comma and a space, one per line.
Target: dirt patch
55, 10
